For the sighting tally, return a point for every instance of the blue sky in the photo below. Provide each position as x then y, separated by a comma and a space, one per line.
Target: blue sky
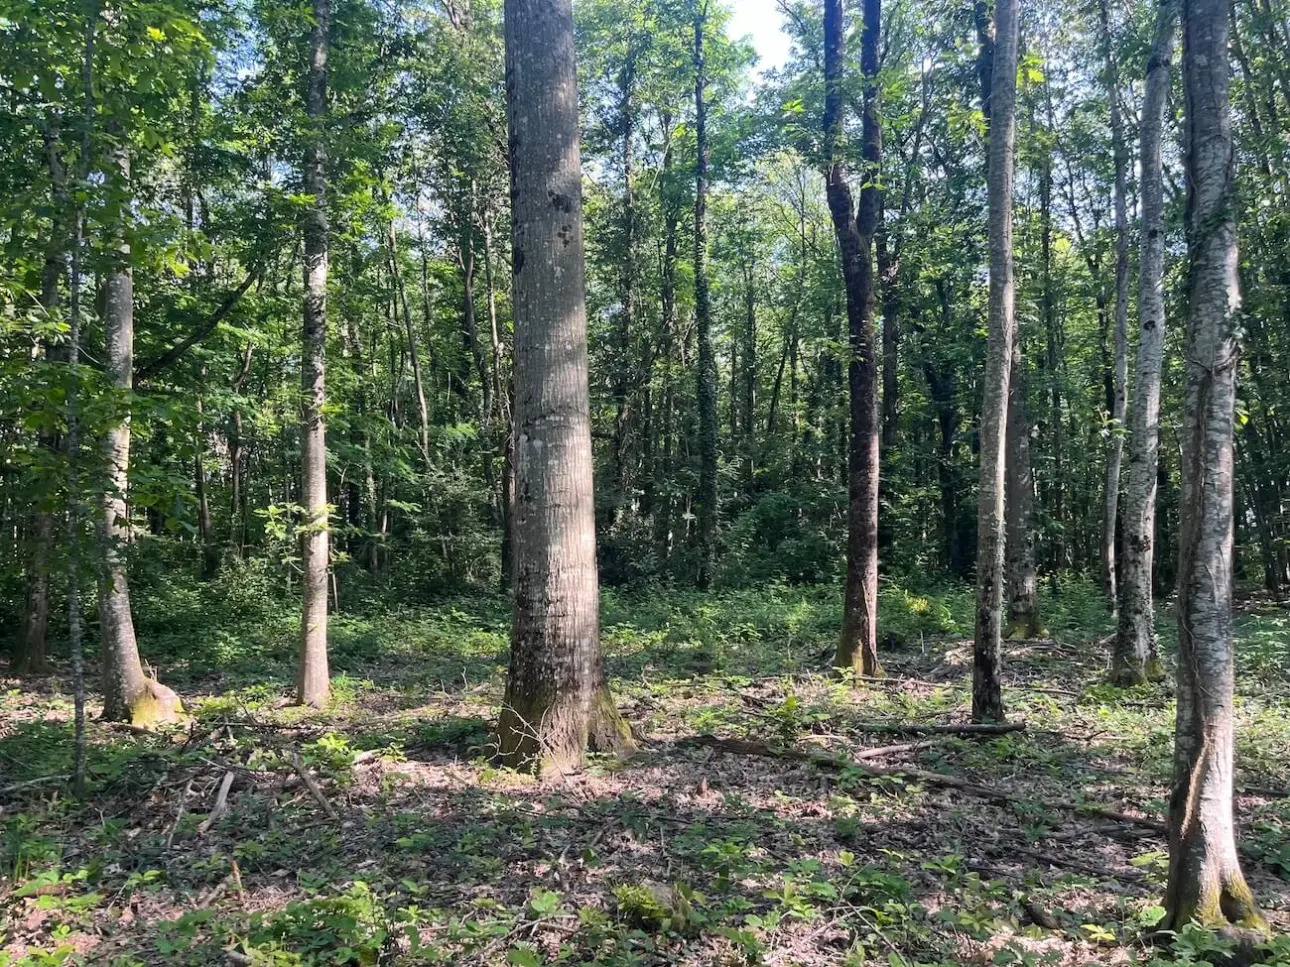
761, 21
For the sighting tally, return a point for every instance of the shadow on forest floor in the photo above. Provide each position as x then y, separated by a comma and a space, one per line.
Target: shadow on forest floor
407, 846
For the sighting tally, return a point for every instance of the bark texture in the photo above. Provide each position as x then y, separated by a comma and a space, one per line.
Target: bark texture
1022, 584
1206, 884
987, 688
1120, 366
128, 694
557, 704
313, 680
1134, 655
858, 644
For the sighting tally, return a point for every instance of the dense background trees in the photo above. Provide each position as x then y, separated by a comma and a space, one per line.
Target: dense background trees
795, 278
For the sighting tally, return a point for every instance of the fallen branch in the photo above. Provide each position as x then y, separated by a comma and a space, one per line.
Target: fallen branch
992, 793
221, 803
5, 790
312, 785
909, 728
886, 750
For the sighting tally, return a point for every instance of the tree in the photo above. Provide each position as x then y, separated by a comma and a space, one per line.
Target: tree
1206, 884
313, 681
858, 646
987, 686
1120, 367
1134, 655
706, 373
128, 694
557, 704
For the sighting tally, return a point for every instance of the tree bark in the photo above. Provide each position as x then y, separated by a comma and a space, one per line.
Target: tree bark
1134, 659
858, 645
313, 680
557, 704
706, 500
128, 694
1206, 884
1120, 369
1022, 584
987, 688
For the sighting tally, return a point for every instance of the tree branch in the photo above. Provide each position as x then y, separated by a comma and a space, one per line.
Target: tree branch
176, 352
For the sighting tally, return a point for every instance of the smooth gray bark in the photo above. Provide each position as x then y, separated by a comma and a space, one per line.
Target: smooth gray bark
557, 704
1134, 655
313, 680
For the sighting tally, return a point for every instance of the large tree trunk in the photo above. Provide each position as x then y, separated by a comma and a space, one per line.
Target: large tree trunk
557, 703
1120, 370
706, 499
858, 644
1134, 659
1205, 879
313, 681
128, 694
987, 688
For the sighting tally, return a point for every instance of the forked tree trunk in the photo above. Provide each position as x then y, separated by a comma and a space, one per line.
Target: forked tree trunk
858, 644
1205, 879
313, 681
987, 688
1134, 659
706, 374
1120, 368
128, 694
557, 704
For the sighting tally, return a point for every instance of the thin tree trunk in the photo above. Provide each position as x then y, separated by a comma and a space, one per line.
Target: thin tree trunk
858, 645
987, 686
205, 530
418, 384
128, 694
1022, 585
1120, 370
557, 703
706, 373
313, 682
1205, 879
30, 655
1134, 659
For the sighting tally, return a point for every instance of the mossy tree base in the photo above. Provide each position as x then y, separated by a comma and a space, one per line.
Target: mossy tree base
556, 738
151, 705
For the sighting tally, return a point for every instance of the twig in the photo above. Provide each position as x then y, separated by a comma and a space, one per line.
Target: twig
221, 803
312, 785
5, 790
179, 813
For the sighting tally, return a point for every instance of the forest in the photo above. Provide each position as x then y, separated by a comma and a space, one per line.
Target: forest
644, 482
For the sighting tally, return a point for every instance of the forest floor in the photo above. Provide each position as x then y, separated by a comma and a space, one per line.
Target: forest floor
378, 831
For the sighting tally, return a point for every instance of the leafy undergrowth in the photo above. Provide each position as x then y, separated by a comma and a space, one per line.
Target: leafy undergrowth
406, 846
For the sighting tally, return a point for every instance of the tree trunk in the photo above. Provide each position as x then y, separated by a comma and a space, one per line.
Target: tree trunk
313, 682
1205, 879
1134, 659
858, 645
205, 529
128, 694
30, 654
706, 502
1120, 371
557, 704
987, 688
1022, 585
